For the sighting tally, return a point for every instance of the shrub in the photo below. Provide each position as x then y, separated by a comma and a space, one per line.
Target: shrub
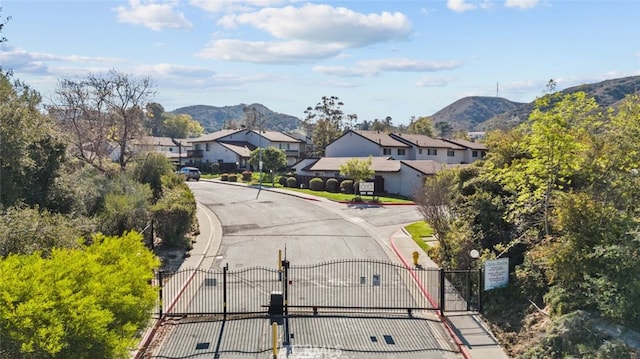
316, 184
174, 214
282, 181
332, 185
233, 177
346, 186
292, 182
246, 176
224, 177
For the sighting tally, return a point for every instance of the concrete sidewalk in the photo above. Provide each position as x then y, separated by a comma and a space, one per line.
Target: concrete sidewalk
469, 331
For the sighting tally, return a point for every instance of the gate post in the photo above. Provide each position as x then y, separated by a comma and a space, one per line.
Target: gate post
469, 289
225, 270
160, 291
480, 290
285, 292
442, 290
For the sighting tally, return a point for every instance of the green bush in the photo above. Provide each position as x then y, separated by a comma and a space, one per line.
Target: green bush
332, 185
233, 177
246, 176
316, 184
174, 214
224, 177
346, 186
282, 181
292, 182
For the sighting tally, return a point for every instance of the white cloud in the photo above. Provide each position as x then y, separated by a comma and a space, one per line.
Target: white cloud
216, 6
326, 24
153, 15
375, 67
39, 62
262, 52
429, 81
460, 5
523, 4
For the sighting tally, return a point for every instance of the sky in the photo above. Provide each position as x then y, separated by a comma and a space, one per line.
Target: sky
380, 58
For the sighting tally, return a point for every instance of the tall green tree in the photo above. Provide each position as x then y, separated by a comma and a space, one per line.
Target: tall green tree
181, 126
31, 150
422, 125
326, 121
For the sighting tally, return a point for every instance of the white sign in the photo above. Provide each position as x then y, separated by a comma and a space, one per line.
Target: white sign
496, 273
366, 187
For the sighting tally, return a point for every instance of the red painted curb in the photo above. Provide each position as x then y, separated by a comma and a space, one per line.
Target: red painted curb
463, 349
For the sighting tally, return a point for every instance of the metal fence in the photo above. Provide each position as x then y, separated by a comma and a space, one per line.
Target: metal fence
352, 284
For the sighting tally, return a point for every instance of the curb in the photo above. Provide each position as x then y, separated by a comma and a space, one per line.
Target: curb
463, 349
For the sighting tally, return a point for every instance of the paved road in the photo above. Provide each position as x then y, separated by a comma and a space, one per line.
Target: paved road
312, 231
254, 229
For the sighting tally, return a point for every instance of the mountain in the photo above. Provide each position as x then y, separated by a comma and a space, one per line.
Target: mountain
469, 113
215, 118
490, 113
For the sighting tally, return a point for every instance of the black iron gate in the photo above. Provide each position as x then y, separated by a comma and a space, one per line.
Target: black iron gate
461, 290
352, 284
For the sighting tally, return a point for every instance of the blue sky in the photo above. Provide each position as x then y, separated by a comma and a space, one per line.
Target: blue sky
381, 58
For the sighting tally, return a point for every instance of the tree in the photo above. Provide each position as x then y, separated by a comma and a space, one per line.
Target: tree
102, 111
88, 303
181, 126
273, 158
421, 126
443, 129
358, 170
326, 121
31, 150
154, 118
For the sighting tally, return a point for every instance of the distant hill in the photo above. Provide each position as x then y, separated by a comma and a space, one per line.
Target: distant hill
215, 118
469, 113
489, 113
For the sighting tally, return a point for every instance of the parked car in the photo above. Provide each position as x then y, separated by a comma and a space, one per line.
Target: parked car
190, 173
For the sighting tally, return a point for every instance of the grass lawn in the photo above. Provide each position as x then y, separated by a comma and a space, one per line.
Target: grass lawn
418, 230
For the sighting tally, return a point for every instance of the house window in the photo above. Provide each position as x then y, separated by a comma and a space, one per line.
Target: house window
474, 154
419, 151
451, 153
483, 153
386, 151
400, 151
432, 152
198, 146
206, 146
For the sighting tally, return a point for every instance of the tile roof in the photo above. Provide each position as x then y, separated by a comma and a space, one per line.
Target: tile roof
215, 135
380, 137
276, 136
241, 148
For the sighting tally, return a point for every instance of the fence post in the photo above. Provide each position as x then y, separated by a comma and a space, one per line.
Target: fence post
442, 290
469, 290
285, 267
225, 270
160, 291
480, 290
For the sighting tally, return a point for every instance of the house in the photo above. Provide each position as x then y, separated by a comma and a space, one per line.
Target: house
176, 150
435, 149
473, 150
401, 177
231, 149
405, 147
367, 143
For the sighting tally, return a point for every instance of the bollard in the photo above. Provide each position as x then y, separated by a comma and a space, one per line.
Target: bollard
274, 339
416, 255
